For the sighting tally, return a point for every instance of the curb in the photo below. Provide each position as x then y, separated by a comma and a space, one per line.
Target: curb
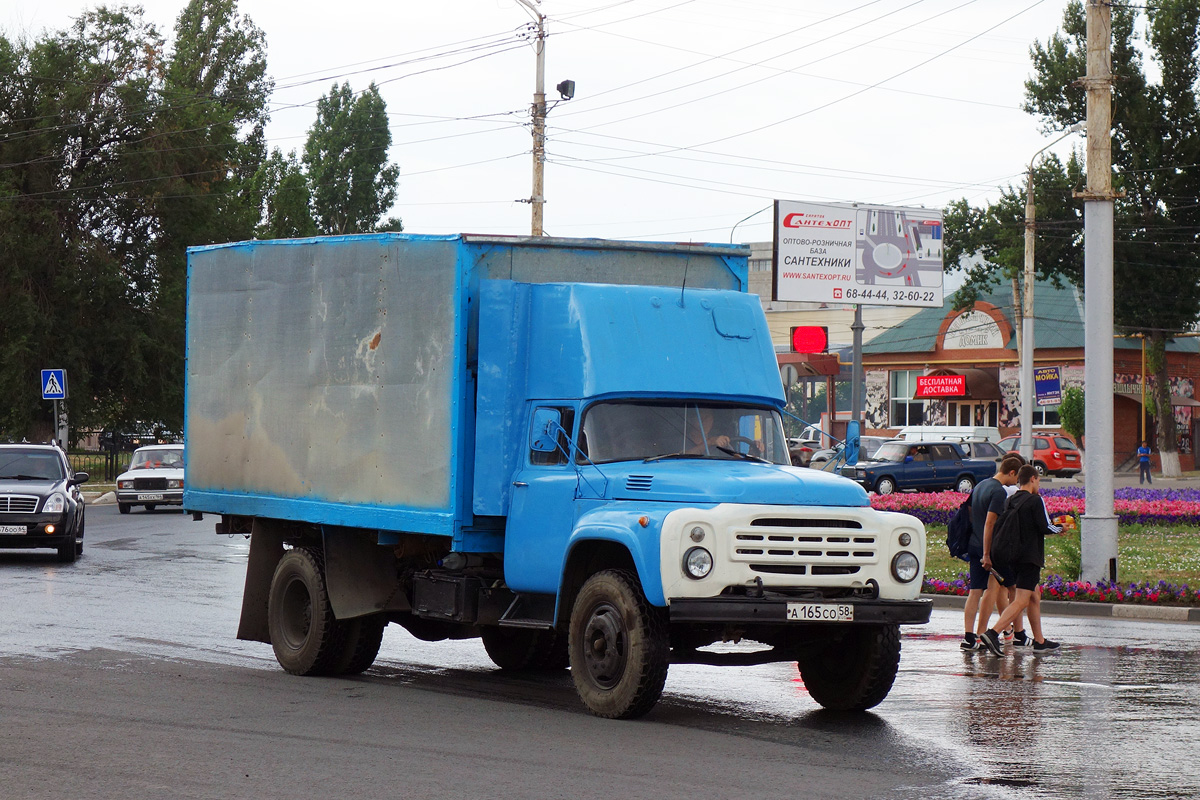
1072, 608
105, 499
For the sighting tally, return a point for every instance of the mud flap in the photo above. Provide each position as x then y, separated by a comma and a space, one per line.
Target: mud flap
266, 548
360, 575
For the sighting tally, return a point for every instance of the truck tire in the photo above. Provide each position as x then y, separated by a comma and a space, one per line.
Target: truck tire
855, 670
362, 637
619, 646
306, 637
519, 649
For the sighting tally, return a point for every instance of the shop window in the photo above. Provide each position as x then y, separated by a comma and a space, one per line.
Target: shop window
905, 410
1045, 416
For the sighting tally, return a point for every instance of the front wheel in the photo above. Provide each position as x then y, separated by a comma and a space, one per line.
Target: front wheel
1041, 469
855, 669
68, 552
619, 646
885, 486
965, 484
305, 635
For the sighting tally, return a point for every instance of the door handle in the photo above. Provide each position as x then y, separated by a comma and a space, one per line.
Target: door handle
520, 483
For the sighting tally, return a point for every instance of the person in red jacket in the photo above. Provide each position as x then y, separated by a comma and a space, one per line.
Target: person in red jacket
1034, 525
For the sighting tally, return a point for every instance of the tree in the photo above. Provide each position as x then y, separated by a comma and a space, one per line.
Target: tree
351, 181
1071, 413
1156, 142
116, 155
287, 210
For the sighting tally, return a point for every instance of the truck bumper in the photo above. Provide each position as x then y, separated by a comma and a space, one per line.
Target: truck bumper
773, 610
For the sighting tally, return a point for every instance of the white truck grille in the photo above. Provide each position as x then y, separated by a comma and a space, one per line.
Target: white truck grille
805, 546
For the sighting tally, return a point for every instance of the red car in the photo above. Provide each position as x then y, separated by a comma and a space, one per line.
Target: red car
1053, 453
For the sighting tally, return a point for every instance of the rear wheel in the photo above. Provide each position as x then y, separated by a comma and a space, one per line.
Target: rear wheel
525, 649
123, 507
149, 506
619, 646
362, 638
965, 484
855, 669
305, 635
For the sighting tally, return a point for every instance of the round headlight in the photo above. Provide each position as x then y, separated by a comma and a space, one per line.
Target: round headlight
55, 504
905, 539
697, 562
905, 567
697, 534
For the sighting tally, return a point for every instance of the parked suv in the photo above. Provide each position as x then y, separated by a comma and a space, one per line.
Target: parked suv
40, 502
155, 478
1053, 453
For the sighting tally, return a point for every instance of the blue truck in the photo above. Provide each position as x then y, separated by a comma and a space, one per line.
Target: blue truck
572, 449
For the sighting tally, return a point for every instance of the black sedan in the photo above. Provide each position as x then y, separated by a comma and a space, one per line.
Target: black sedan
40, 502
923, 466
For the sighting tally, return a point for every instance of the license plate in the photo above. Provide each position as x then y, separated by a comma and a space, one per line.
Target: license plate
820, 612
150, 497
13, 530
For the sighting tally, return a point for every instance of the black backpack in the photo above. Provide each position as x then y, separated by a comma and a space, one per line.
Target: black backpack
959, 530
1006, 537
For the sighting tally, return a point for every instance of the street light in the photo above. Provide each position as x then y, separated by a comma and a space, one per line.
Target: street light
1026, 445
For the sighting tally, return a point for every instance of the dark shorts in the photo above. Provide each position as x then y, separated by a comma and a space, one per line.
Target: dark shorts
979, 575
1019, 576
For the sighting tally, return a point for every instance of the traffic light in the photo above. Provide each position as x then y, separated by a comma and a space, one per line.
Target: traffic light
810, 339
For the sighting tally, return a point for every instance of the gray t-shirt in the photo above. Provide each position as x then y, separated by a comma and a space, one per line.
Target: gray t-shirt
989, 495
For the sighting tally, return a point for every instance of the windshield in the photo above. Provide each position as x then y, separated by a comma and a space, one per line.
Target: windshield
157, 459
892, 451
31, 465
636, 431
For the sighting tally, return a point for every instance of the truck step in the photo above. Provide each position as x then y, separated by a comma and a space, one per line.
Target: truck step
529, 610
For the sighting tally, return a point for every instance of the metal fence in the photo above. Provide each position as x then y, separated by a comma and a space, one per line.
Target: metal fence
102, 466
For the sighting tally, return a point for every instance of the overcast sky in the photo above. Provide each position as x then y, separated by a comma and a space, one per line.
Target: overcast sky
689, 115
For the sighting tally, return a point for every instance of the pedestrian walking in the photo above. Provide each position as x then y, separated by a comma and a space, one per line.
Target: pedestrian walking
1025, 519
987, 502
1144, 463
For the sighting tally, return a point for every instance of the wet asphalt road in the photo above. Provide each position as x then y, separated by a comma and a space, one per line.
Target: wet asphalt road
126, 660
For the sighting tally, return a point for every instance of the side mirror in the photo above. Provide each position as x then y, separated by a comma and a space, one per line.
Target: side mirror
852, 442
543, 434
80, 477
908, 459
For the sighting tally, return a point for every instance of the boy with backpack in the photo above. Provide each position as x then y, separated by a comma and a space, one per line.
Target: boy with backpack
1020, 542
987, 503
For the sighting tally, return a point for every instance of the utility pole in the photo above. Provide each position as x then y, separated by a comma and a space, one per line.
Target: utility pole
1099, 524
538, 200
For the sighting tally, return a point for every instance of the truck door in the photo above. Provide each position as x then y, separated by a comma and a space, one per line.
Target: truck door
541, 513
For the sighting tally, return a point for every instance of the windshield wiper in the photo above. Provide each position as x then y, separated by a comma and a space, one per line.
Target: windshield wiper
743, 456
23, 478
666, 456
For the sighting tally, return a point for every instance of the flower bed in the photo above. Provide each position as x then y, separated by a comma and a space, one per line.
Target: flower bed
1132, 506
1055, 588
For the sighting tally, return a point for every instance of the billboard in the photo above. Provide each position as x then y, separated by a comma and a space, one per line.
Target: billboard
870, 255
1047, 386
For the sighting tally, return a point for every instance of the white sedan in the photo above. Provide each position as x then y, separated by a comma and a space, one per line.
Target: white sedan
155, 478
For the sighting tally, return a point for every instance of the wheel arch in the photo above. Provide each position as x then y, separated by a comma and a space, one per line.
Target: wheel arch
587, 556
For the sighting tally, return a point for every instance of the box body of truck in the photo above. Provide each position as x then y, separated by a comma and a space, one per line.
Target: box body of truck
517, 439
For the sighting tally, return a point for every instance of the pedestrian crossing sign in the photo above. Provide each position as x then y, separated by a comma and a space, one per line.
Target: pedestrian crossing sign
54, 384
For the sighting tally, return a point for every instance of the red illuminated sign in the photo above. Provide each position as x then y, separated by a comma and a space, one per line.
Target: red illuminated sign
810, 339
941, 386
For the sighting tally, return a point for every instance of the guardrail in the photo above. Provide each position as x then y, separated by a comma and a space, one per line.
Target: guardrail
102, 466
